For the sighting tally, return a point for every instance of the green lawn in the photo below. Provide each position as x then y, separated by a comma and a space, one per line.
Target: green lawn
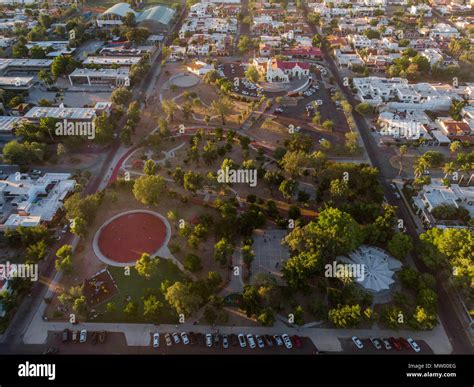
137, 287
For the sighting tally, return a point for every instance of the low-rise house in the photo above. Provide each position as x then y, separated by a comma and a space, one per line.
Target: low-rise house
28, 201
116, 77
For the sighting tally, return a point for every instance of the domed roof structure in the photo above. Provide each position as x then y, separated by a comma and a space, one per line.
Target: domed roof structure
378, 267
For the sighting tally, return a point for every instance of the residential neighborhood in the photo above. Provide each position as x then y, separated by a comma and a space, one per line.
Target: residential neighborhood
237, 177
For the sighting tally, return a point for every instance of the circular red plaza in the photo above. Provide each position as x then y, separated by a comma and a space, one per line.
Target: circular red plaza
125, 237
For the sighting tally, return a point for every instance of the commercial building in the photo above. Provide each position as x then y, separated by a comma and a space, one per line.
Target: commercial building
117, 77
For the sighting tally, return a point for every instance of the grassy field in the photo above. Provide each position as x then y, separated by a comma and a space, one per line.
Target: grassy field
136, 287
109, 3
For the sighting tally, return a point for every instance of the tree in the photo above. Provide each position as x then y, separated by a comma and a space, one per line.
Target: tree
403, 150
222, 107
121, 96
36, 252
364, 109
129, 19
180, 297
192, 181
63, 65
151, 306
244, 45
346, 316
298, 268
288, 188
295, 162
131, 308
400, 245
149, 189
192, 263
23, 153
223, 249
252, 74
79, 227
339, 190
328, 125
64, 259
146, 265
247, 255
454, 148
149, 168
169, 108
79, 305
111, 307
352, 143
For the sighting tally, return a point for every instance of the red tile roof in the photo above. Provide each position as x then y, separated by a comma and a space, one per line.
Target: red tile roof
289, 65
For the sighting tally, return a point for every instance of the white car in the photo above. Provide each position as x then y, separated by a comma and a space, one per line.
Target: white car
413, 344
357, 342
83, 336
176, 338
287, 341
387, 344
278, 340
156, 340
208, 340
225, 342
321, 140
376, 343
251, 341
184, 336
397, 195
242, 341
319, 102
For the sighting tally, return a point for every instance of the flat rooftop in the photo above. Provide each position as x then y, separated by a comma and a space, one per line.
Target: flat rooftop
61, 112
110, 60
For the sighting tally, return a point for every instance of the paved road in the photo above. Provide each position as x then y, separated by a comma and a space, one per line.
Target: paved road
379, 158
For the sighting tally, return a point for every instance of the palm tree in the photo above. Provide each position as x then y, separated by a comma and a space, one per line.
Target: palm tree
403, 150
448, 169
465, 168
420, 166
454, 147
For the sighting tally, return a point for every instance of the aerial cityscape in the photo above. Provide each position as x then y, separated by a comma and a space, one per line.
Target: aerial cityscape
269, 177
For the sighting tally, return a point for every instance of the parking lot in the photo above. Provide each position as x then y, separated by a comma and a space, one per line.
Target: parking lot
244, 87
349, 347
116, 343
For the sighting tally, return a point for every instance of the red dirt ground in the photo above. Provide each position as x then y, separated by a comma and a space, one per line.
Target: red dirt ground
126, 238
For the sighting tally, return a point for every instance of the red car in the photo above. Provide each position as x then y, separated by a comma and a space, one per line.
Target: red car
405, 344
395, 343
297, 341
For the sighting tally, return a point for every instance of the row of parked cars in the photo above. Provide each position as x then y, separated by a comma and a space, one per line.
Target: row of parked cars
389, 343
81, 336
224, 341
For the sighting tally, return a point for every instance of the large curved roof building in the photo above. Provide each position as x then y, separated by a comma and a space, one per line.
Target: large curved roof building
158, 18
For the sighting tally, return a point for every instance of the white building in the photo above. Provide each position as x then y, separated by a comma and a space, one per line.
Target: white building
117, 77
434, 56
443, 30
200, 68
33, 201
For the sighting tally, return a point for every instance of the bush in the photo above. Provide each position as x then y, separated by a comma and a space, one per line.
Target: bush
192, 263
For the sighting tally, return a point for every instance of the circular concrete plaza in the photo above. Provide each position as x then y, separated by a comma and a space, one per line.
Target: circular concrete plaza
125, 237
185, 80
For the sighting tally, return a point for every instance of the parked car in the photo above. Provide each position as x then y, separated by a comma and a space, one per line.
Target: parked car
75, 335
185, 338
268, 340
65, 335
395, 343
156, 340
94, 338
319, 102
297, 341
405, 344
225, 341
251, 341
357, 342
242, 341
217, 339
102, 337
192, 338
209, 340
176, 338
169, 343
386, 343
234, 341
287, 341
83, 336
376, 343
397, 195
413, 344
260, 342
278, 340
